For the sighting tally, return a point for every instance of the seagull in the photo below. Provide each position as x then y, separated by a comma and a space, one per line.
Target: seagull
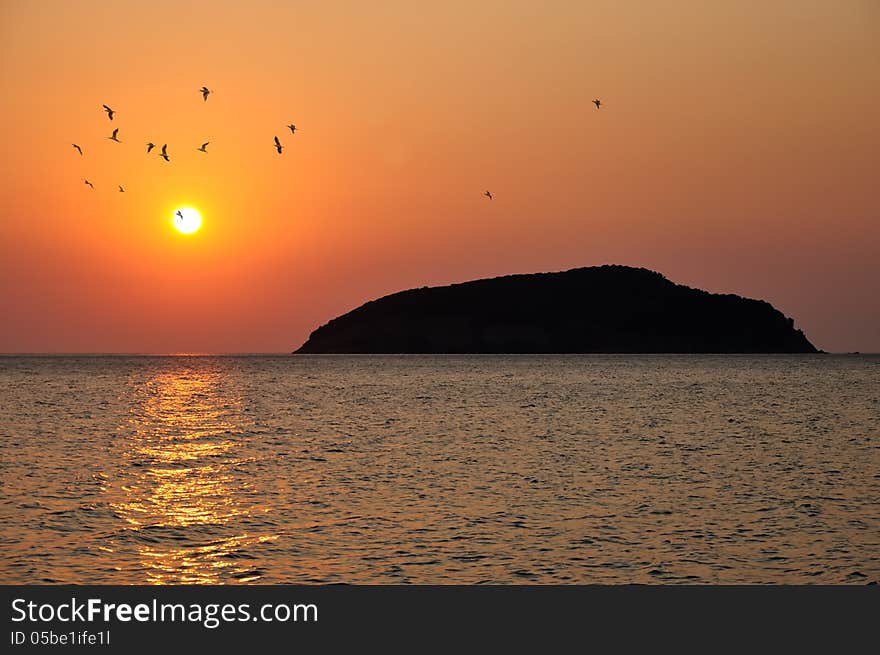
205, 91
278, 145
109, 112
150, 146
204, 145
121, 189
179, 213
292, 128
163, 154
78, 149
113, 137
89, 183
488, 195
598, 103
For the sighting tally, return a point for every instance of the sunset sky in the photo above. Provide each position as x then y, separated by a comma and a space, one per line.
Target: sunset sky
738, 150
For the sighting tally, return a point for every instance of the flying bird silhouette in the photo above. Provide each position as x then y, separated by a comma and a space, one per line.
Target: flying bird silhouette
163, 154
113, 136
121, 189
598, 103
205, 92
292, 128
89, 183
109, 111
204, 145
78, 149
488, 195
150, 146
278, 145
179, 213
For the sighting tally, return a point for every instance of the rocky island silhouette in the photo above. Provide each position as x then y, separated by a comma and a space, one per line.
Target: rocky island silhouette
600, 309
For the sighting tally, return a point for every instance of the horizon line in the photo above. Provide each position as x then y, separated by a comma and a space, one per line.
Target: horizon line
273, 353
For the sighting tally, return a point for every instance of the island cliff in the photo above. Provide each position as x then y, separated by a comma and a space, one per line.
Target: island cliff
601, 309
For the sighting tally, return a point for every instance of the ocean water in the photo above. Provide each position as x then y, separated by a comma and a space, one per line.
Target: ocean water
480, 469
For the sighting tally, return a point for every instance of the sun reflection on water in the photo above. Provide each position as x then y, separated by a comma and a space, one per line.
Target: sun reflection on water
182, 500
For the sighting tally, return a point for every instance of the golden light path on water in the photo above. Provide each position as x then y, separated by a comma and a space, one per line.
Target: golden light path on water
184, 449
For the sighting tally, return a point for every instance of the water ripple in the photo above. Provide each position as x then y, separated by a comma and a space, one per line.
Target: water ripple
606, 469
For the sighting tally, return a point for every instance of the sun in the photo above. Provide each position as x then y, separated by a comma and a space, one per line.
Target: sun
187, 220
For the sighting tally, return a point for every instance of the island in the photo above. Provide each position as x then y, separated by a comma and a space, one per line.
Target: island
599, 309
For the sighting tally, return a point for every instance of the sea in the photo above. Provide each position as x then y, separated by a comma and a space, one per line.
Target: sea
649, 469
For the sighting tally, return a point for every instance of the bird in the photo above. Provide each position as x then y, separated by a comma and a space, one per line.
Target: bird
89, 184
292, 128
488, 195
78, 149
113, 136
598, 103
121, 189
109, 111
205, 92
179, 213
150, 146
163, 154
278, 145
204, 145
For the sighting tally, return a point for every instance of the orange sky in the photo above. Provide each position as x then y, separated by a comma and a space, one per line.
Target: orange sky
738, 151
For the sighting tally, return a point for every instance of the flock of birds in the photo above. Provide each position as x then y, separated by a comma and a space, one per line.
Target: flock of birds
163, 151
205, 91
